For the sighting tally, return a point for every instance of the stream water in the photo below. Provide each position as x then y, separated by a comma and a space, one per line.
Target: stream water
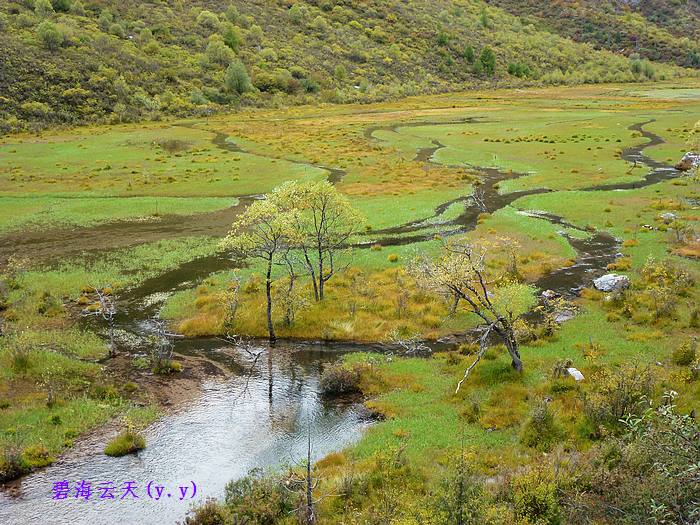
232, 427
235, 425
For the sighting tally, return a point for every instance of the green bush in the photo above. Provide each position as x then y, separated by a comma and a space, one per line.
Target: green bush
460, 497
615, 394
684, 354
535, 498
209, 513
125, 443
487, 59
232, 37
468, 54
232, 14
218, 52
50, 36
541, 431
208, 20
12, 463
649, 475
261, 499
63, 6
43, 8
297, 14
37, 456
236, 78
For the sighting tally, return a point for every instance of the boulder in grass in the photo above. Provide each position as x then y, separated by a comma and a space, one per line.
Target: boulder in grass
575, 373
668, 217
611, 282
689, 161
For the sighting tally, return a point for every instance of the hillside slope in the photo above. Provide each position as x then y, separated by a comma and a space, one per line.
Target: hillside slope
660, 30
80, 61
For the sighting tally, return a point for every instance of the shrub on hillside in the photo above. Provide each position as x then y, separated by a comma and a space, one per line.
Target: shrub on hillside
208, 20
218, 53
236, 78
50, 36
43, 8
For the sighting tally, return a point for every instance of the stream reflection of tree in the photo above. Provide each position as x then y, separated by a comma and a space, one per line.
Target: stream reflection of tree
286, 373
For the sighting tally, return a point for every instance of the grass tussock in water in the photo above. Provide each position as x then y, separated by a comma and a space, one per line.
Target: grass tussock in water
125, 443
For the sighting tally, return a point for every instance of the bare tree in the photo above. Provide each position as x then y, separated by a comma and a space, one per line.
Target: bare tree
477, 199
108, 311
411, 345
306, 483
162, 346
251, 350
461, 271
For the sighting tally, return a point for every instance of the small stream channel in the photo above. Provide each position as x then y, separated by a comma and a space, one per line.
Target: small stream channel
235, 425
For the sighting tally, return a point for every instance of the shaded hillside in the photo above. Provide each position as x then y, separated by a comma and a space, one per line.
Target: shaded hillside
79, 61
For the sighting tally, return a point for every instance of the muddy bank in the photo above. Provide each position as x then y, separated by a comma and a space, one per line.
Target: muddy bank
50, 244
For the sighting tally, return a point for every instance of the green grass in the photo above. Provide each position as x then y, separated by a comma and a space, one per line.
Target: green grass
128, 161
382, 211
424, 414
53, 428
119, 268
622, 213
125, 443
58, 211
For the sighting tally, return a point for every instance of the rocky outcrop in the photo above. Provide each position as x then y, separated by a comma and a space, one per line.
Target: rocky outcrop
611, 282
689, 161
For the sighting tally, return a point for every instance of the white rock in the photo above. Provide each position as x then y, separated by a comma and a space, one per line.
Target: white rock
563, 316
668, 217
611, 282
550, 294
689, 161
575, 373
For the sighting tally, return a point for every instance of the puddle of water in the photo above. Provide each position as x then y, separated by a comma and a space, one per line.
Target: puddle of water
226, 432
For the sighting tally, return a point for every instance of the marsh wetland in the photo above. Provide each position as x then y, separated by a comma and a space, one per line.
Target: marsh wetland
121, 309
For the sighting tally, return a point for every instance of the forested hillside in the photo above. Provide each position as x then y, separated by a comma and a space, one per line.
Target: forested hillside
662, 30
79, 61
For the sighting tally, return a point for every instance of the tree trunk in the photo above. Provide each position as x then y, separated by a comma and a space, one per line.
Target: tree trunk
289, 314
508, 335
321, 281
512, 346
268, 289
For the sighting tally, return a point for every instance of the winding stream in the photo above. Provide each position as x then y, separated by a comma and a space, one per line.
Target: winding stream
235, 425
